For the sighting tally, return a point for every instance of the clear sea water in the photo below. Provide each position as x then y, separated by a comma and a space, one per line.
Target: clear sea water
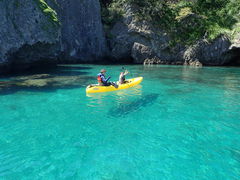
181, 123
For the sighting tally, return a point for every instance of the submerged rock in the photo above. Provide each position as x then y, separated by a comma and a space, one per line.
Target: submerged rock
44, 81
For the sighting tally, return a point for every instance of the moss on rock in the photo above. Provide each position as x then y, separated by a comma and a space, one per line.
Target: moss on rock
48, 11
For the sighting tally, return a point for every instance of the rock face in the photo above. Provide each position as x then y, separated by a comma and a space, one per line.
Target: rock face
82, 33
136, 40
214, 53
125, 33
27, 35
141, 52
131, 39
34, 31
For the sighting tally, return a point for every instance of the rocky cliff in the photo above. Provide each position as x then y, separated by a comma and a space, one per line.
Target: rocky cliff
27, 34
144, 43
82, 33
37, 31
33, 32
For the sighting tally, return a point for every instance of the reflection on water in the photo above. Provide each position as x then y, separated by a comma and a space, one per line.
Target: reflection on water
98, 99
210, 76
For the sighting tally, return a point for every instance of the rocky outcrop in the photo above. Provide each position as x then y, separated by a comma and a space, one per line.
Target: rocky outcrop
125, 33
234, 50
34, 32
209, 53
141, 52
140, 41
24, 27
122, 39
132, 39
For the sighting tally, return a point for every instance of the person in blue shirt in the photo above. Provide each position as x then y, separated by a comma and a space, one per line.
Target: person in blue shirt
103, 81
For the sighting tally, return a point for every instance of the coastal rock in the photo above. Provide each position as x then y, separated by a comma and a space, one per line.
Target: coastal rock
121, 42
27, 34
195, 63
234, 50
141, 52
209, 53
44, 32
140, 42
122, 39
125, 33
82, 33
215, 52
155, 60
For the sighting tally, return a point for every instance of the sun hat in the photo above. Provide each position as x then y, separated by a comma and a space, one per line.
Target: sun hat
103, 70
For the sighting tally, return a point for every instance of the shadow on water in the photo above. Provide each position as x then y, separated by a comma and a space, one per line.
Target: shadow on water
132, 106
64, 77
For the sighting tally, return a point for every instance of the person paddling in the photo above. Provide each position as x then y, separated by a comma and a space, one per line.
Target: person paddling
103, 81
122, 78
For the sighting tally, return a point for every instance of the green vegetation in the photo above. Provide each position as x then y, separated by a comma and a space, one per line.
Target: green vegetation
48, 11
185, 21
111, 12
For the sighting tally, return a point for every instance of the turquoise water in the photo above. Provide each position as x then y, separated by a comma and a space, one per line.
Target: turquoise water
180, 123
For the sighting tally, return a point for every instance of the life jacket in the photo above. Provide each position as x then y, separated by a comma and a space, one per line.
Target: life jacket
99, 78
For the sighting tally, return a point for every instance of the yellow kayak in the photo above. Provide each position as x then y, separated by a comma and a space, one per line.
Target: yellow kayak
128, 84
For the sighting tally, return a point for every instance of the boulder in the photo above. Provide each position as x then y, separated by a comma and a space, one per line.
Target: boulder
137, 40
141, 52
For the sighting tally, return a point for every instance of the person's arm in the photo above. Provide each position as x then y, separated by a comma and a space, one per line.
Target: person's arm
104, 80
120, 77
125, 73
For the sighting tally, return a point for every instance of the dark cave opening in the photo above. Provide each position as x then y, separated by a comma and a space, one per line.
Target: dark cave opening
235, 57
